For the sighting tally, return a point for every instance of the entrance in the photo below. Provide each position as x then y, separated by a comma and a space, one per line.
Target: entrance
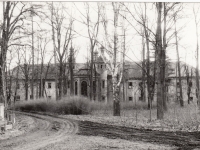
84, 88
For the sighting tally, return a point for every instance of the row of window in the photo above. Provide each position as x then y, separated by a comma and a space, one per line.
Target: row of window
130, 84
17, 97
101, 66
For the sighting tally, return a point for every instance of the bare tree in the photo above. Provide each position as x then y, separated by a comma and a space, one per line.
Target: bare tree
60, 49
93, 30
178, 64
160, 63
42, 44
113, 52
197, 55
10, 24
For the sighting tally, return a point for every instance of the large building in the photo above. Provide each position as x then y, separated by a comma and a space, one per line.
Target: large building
131, 89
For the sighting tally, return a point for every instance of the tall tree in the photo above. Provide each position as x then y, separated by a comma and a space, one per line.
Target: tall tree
113, 52
93, 30
178, 65
13, 16
160, 62
71, 69
61, 44
197, 55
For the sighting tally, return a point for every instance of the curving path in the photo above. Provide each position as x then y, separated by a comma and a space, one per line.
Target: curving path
46, 130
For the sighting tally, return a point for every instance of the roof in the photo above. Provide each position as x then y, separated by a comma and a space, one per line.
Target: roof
132, 70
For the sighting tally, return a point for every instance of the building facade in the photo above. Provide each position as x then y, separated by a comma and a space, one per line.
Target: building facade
131, 89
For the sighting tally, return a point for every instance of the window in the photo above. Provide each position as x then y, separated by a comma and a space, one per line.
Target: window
76, 88
101, 66
130, 85
31, 96
191, 98
49, 97
49, 85
103, 98
178, 84
103, 83
130, 98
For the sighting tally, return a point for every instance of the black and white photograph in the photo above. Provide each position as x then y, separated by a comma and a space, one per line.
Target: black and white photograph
99, 75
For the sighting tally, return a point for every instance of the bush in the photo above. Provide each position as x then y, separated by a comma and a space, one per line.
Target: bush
71, 105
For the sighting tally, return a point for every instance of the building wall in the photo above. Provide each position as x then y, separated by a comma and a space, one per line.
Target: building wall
172, 90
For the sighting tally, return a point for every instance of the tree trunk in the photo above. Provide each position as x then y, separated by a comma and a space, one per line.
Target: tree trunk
179, 68
71, 66
116, 83
160, 81
116, 97
91, 72
32, 76
143, 70
60, 82
163, 58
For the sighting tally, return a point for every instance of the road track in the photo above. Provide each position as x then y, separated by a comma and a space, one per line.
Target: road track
49, 131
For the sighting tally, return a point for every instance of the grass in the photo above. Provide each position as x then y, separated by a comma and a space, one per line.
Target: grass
132, 113
175, 118
74, 105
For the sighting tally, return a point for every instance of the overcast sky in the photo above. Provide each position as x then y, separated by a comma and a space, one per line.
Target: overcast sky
187, 36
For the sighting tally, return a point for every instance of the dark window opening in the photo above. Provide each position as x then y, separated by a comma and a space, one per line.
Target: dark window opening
49, 97
76, 88
178, 84
49, 85
191, 98
31, 96
84, 88
101, 66
103, 98
130, 85
130, 98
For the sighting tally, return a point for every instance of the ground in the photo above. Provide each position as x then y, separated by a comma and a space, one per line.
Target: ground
33, 131
36, 131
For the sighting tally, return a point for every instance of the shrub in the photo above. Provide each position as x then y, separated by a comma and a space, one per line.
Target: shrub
67, 105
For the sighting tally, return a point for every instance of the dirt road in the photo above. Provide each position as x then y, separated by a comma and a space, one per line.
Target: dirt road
182, 140
55, 133
44, 131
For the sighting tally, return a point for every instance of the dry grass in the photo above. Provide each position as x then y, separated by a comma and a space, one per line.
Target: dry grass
132, 114
70, 105
175, 118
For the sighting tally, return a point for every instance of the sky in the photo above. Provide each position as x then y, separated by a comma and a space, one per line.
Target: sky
187, 36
